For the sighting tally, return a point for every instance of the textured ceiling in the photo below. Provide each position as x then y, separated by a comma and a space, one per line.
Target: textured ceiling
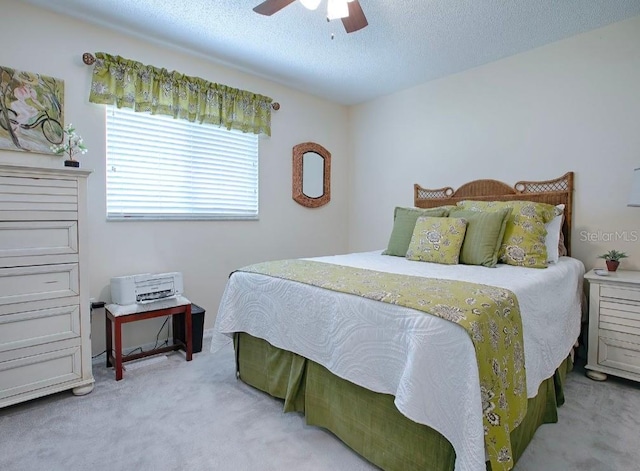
407, 42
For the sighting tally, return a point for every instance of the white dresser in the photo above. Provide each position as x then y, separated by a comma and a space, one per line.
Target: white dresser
45, 332
614, 325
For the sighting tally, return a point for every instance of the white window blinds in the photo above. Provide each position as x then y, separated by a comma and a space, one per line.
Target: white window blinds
164, 168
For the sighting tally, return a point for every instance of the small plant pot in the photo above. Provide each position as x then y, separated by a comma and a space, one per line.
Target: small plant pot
71, 163
612, 265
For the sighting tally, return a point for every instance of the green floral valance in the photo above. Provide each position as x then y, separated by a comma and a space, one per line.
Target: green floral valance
130, 84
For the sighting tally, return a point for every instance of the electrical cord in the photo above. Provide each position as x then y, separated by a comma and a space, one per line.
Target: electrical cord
97, 355
163, 344
166, 342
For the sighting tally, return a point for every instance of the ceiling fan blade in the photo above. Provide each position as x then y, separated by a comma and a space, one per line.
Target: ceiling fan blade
269, 7
356, 19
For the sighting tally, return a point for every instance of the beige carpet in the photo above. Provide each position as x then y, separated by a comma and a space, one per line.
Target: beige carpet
175, 415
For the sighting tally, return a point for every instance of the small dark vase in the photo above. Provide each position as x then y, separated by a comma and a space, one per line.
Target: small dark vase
71, 163
612, 265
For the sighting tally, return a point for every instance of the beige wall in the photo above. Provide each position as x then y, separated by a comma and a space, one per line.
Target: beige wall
572, 105
206, 252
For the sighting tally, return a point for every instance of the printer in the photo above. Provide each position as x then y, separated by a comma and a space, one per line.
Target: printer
145, 287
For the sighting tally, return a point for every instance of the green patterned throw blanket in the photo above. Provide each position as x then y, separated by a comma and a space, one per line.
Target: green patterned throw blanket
490, 315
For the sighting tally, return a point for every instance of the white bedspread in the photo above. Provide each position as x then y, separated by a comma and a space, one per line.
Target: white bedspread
426, 362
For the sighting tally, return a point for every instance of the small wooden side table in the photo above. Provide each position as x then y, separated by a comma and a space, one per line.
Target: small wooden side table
117, 315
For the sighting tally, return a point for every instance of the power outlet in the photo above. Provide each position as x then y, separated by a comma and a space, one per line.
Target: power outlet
95, 304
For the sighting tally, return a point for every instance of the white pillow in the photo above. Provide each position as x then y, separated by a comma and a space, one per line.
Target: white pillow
553, 235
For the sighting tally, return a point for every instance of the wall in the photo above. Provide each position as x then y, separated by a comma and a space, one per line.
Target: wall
571, 105
206, 252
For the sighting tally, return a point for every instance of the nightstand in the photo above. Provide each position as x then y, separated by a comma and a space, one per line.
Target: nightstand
614, 325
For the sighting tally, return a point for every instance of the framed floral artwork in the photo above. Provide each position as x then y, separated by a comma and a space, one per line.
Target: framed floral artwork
31, 111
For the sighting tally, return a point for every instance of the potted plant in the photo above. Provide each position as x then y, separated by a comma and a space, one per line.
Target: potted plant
612, 259
71, 145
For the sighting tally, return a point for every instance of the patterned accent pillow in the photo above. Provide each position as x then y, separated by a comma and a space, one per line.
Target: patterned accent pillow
437, 240
483, 239
523, 243
404, 220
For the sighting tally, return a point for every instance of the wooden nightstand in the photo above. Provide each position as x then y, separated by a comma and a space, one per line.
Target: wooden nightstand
614, 325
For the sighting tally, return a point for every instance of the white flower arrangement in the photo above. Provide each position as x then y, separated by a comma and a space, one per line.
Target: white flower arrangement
71, 143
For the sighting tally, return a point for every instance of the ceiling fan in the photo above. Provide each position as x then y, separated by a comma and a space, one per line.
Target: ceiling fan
349, 11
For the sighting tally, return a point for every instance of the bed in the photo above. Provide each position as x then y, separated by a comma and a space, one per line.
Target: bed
402, 388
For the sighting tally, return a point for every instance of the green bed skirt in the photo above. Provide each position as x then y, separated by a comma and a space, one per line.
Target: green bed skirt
369, 422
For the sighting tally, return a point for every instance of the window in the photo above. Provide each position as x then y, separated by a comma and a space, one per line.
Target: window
164, 168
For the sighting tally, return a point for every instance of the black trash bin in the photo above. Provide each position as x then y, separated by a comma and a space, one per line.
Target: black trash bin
197, 327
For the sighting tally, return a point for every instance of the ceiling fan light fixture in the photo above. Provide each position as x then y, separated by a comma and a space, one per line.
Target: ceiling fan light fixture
337, 9
349, 11
310, 4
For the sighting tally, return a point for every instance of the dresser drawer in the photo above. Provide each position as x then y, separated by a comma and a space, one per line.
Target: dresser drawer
620, 316
36, 327
25, 198
615, 353
29, 373
38, 242
19, 285
625, 308
619, 293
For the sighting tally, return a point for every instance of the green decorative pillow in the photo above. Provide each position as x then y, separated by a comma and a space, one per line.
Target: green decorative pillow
523, 243
437, 240
446, 208
404, 220
482, 241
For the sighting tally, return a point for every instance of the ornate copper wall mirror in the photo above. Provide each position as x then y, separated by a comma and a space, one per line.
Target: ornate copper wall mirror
311, 175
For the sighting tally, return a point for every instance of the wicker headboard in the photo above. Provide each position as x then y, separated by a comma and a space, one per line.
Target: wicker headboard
558, 191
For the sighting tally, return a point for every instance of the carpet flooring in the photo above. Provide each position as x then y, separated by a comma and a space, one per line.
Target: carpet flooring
174, 415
